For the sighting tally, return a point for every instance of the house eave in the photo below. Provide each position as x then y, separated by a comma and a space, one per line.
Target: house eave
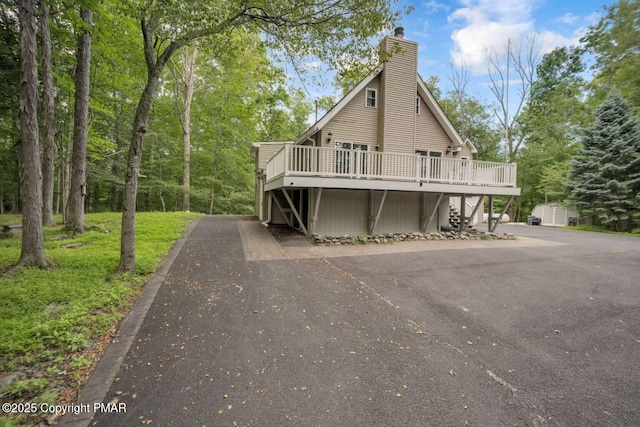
438, 113
256, 145
307, 135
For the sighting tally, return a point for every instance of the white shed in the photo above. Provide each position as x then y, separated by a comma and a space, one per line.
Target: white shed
553, 214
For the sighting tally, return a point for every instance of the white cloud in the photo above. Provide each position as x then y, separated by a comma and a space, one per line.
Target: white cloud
488, 25
550, 40
592, 18
432, 6
568, 18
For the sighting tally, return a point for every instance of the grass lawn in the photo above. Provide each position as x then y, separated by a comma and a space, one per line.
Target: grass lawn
55, 323
601, 229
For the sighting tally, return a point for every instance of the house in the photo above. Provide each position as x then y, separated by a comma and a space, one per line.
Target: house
553, 214
384, 159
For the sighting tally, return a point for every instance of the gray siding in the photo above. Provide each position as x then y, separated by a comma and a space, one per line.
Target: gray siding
259, 194
401, 212
343, 212
382, 102
265, 153
347, 212
429, 133
466, 152
400, 90
355, 122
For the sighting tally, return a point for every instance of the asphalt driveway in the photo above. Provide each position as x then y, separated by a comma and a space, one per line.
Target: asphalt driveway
543, 331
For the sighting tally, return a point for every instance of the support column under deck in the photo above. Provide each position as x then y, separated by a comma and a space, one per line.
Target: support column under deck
316, 207
282, 210
377, 217
425, 227
502, 214
490, 216
295, 211
463, 213
475, 210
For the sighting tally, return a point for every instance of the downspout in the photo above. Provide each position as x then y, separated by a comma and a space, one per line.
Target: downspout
268, 220
415, 119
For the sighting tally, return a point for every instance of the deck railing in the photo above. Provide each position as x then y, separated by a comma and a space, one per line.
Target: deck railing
301, 160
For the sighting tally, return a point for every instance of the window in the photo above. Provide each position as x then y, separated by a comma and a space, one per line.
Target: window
430, 153
430, 164
344, 159
371, 98
418, 105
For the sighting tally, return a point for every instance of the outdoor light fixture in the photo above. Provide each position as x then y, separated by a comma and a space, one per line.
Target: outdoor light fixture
329, 136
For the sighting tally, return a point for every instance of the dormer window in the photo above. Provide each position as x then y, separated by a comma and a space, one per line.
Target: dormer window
371, 98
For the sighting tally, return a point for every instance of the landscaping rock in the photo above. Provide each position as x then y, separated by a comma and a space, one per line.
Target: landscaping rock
12, 229
60, 237
405, 237
73, 245
51, 308
10, 379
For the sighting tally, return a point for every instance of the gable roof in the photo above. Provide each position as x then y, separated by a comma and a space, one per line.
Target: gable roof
339, 106
424, 93
441, 117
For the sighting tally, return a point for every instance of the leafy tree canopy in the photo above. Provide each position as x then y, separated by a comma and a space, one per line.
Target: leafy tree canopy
615, 42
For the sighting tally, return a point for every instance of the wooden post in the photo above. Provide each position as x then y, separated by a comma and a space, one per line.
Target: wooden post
463, 208
316, 207
475, 210
295, 211
490, 217
433, 213
375, 221
502, 213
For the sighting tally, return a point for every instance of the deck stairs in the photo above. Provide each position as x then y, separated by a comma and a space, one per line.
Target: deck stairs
454, 218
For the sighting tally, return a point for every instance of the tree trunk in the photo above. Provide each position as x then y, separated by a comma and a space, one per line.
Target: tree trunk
60, 177
78, 191
214, 171
32, 237
127, 240
113, 198
154, 71
92, 205
65, 185
48, 148
164, 207
16, 206
186, 150
184, 86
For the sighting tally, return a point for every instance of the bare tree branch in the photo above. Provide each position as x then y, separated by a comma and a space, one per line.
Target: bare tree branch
523, 59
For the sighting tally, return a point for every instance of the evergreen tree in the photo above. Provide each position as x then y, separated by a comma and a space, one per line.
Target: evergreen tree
605, 173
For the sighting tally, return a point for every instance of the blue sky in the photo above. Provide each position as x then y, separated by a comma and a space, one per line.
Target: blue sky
460, 31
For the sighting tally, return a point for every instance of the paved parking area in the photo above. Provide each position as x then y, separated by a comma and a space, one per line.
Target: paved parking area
543, 331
